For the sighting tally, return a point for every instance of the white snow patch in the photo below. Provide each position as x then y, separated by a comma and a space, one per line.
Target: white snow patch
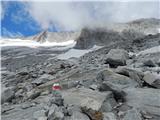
76, 53
31, 43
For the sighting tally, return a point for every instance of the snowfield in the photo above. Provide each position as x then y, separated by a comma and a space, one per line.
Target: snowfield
30, 43
76, 53
57, 46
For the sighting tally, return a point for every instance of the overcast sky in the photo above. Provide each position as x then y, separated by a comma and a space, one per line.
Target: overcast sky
28, 18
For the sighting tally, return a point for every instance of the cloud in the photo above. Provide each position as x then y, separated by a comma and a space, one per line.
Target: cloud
7, 33
1, 12
69, 15
3, 9
75, 15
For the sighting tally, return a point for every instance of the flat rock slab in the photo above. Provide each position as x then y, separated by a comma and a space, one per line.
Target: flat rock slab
18, 113
145, 99
117, 79
84, 97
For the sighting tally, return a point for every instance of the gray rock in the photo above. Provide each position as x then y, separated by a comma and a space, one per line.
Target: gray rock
26, 105
156, 83
117, 57
20, 114
132, 73
149, 63
25, 86
28, 86
92, 114
158, 62
146, 99
33, 94
6, 108
39, 114
56, 98
99, 36
7, 95
93, 87
23, 71
132, 115
19, 93
52, 109
7, 75
72, 108
118, 92
88, 98
42, 118
109, 116
43, 79
78, 116
152, 80
55, 113
117, 79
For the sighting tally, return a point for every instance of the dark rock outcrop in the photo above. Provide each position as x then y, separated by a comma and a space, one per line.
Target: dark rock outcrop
116, 57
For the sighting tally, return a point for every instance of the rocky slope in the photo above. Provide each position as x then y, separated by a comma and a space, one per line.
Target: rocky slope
119, 81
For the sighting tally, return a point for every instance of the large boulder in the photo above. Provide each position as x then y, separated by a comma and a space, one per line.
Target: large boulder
117, 79
117, 57
88, 98
117, 91
134, 74
144, 99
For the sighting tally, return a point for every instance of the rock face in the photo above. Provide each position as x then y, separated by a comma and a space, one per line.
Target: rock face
90, 37
117, 57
